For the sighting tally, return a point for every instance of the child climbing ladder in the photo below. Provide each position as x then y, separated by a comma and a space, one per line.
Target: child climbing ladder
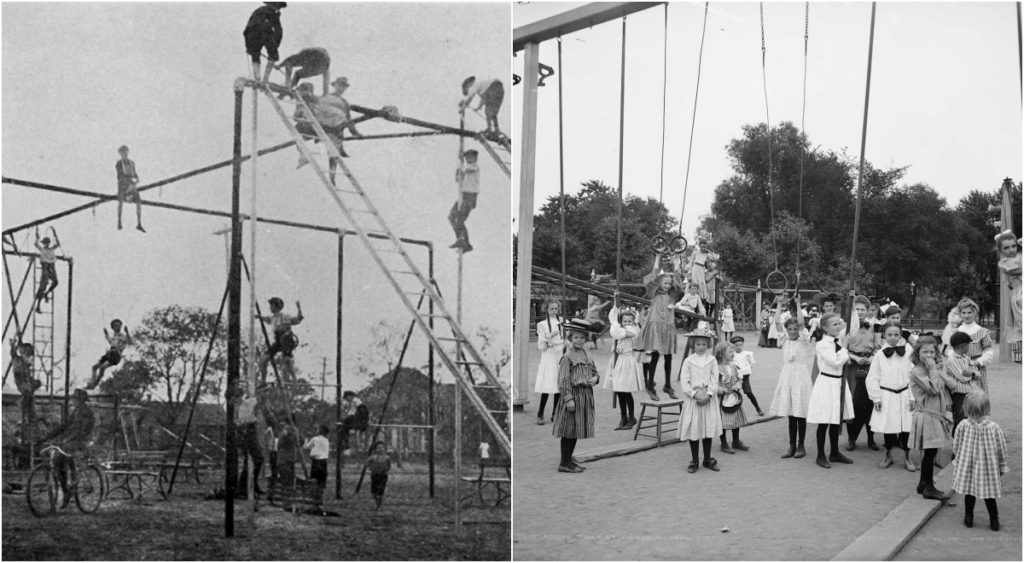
47, 259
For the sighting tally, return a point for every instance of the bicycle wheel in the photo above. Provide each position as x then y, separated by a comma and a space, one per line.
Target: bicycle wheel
41, 491
89, 489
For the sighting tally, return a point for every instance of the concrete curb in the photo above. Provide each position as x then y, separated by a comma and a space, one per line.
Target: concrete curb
885, 539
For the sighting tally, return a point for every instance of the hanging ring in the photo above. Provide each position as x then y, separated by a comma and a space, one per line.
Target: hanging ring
660, 245
776, 279
679, 244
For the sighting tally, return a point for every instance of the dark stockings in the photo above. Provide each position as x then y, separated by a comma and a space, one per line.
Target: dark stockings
928, 466
893, 440
544, 401
990, 504
651, 368
833, 438
706, 443
625, 404
797, 429
568, 445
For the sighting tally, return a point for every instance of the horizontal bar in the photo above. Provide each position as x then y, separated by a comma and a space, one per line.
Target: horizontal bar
35, 255
397, 425
574, 20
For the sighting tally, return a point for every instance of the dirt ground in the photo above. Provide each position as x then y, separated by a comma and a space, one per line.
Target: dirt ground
645, 506
410, 525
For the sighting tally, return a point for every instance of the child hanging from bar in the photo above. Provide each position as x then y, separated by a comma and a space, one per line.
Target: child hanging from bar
468, 177
21, 364
128, 187
491, 93
888, 385
658, 335
625, 376
980, 350
380, 465
264, 30
577, 376
285, 340
48, 264
118, 342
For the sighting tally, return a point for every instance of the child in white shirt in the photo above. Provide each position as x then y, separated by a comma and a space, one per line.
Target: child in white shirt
319, 448
744, 362
468, 177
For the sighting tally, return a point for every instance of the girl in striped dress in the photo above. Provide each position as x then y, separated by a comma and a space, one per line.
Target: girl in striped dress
577, 376
980, 459
980, 349
729, 381
831, 402
701, 420
549, 341
888, 385
929, 429
793, 391
658, 335
624, 373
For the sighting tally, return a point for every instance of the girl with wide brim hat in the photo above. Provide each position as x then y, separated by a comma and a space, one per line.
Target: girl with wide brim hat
577, 376
701, 419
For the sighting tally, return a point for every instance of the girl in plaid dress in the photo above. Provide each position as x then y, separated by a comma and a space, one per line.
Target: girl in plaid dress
980, 351
577, 376
980, 461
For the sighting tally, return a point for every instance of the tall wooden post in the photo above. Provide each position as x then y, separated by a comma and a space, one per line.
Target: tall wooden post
234, 321
338, 458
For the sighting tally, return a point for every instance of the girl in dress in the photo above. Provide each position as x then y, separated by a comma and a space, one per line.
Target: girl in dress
888, 384
980, 350
729, 381
727, 322
1010, 268
577, 376
701, 420
776, 332
766, 316
551, 345
930, 427
624, 373
861, 347
831, 402
691, 303
711, 278
980, 459
658, 335
698, 274
793, 391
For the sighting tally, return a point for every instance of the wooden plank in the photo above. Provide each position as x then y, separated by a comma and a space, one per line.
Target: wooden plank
622, 448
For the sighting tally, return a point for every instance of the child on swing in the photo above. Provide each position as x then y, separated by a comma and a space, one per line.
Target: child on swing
625, 375
48, 262
118, 342
658, 335
691, 303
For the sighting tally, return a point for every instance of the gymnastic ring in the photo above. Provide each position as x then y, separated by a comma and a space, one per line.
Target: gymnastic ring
679, 244
660, 245
775, 274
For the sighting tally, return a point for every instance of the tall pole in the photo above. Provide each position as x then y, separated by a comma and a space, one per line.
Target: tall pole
250, 380
1005, 222
338, 459
430, 371
1020, 52
860, 175
458, 412
622, 131
67, 343
561, 179
524, 254
234, 321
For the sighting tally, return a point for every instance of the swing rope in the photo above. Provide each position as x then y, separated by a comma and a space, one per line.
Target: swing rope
561, 176
768, 127
664, 100
622, 128
693, 122
803, 113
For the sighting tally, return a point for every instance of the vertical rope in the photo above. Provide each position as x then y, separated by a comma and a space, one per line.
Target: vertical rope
622, 129
693, 120
664, 99
1020, 52
768, 126
561, 176
803, 113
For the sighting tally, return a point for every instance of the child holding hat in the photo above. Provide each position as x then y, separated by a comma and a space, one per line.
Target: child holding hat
701, 420
729, 387
577, 376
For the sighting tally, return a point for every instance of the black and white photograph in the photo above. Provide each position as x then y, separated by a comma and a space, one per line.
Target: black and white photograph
768, 281
256, 271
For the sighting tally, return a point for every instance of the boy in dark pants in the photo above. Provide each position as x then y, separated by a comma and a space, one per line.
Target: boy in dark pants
128, 187
379, 464
319, 450
491, 93
264, 30
468, 177
47, 259
311, 62
744, 362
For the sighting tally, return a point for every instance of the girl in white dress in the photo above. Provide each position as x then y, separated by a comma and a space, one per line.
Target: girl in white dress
701, 420
793, 391
551, 345
888, 386
727, 323
625, 376
831, 400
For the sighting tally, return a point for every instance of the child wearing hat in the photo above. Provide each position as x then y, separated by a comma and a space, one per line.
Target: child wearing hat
744, 362
625, 376
21, 364
961, 375
491, 93
314, 61
284, 340
468, 177
980, 349
127, 187
701, 420
48, 261
577, 376
264, 30
729, 387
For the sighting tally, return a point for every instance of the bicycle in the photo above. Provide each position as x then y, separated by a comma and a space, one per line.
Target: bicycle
43, 489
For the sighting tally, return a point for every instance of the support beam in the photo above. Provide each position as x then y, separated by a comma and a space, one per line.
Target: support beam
574, 20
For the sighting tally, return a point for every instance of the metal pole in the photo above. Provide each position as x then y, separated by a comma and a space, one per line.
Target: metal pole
458, 413
860, 176
521, 339
622, 130
430, 371
67, 343
234, 323
339, 459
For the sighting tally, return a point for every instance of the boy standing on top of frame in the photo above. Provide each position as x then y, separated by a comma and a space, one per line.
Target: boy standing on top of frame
264, 30
128, 187
491, 93
468, 177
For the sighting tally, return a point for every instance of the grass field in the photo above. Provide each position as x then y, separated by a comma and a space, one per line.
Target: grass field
410, 525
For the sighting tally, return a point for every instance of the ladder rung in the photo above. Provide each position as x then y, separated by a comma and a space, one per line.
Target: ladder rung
498, 412
409, 272
435, 316
470, 363
445, 338
487, 387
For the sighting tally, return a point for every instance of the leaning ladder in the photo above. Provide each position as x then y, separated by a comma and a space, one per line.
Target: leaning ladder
381, 242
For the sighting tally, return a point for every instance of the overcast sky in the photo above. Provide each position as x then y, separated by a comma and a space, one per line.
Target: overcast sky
158, 77
945, 93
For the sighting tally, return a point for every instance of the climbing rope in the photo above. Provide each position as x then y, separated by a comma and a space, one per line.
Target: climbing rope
803, 112
664, 90
771, 197
561, 174
693, 122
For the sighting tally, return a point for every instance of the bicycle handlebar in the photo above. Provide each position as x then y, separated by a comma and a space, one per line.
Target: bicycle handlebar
47, 449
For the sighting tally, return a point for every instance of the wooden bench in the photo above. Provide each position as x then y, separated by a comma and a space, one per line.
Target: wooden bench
657, 421
150, 471
304, 493
501, 482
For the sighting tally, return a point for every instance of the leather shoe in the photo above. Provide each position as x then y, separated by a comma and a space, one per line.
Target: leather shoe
920, 488
839, 458
540, 421
994, 524
800, 451
670, 391
622, 424
885, 462
969, 520
569, 469
738, 445
726, 448
822, 462
873, 446
931, 493
711, 463
789, 454
574, 465
630, 423
850, 446
909, 464
692, 468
